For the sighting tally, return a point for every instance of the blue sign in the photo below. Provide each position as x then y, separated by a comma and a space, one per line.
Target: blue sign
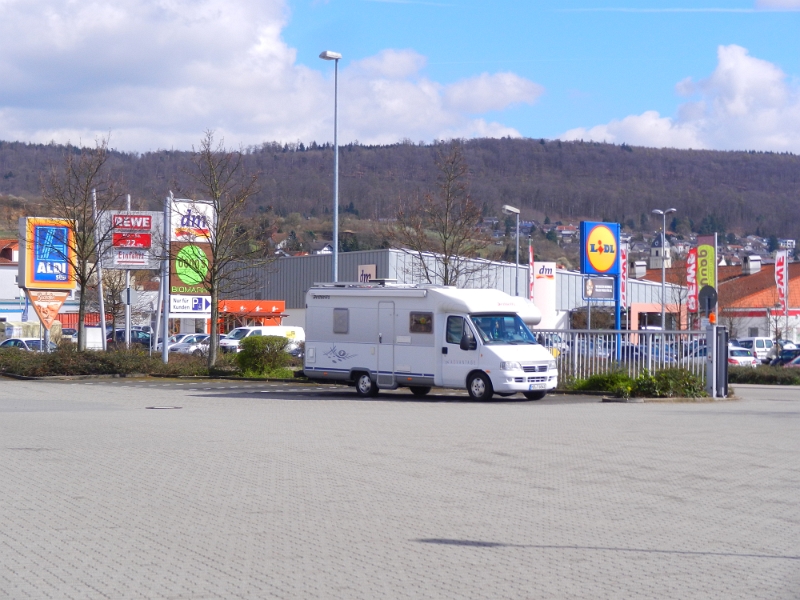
50, 254
201, 304
599, 248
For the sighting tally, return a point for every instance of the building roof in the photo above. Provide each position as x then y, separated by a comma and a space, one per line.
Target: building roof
737, 290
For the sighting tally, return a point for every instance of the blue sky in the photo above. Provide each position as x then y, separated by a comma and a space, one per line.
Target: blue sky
156, 73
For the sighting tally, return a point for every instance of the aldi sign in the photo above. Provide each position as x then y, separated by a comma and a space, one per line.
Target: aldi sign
47, 256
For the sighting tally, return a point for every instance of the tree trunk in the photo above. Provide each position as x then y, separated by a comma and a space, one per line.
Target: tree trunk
81, 323
214, 341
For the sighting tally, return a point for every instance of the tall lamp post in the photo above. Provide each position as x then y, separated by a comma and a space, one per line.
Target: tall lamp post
335, 56
663, 214
510, 210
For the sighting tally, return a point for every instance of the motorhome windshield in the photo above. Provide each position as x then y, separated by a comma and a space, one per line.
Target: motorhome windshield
238, 334
502, 329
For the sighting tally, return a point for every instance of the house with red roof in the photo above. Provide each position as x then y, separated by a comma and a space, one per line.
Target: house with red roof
748, 299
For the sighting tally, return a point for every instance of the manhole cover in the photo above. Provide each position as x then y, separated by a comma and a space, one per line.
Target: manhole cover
163, 407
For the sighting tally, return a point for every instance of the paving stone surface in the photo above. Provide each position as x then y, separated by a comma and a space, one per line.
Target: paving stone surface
289, 491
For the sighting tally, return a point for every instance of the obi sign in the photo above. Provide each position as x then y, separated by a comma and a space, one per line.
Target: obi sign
599, 248
47, 258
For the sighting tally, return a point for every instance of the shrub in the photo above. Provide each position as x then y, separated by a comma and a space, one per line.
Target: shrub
263, 354
67, 360
764, 375
668, 383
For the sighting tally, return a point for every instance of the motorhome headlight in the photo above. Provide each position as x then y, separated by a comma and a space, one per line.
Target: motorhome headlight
551, 365
510, 366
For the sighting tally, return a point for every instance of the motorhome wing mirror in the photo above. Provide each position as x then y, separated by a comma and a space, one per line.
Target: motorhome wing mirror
468, 341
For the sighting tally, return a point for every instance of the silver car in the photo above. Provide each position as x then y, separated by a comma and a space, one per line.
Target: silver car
196, 345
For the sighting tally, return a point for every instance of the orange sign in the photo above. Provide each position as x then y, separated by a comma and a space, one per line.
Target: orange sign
601, 248
47, 303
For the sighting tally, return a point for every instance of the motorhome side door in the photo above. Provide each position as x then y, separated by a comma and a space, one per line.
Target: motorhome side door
456, 363
386, 344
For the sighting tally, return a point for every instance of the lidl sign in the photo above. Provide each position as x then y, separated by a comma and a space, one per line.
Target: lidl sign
599, 248
47, 260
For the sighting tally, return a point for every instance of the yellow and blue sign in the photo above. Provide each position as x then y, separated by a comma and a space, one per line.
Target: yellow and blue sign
599, 248
48, 254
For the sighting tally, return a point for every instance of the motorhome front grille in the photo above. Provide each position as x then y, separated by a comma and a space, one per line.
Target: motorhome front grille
530, 379
534, 368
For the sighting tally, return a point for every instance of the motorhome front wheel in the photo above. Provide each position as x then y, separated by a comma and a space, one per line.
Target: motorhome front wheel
479, 387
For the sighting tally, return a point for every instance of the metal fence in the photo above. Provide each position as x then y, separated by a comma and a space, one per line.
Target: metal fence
580, 353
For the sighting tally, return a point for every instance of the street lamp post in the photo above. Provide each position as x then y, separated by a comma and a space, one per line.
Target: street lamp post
663, 214
335, 56
510, 210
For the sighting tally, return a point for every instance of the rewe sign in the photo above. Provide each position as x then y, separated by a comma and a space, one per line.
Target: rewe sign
136, 222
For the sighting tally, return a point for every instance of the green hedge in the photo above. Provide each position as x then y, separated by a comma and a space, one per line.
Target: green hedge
263, 356
667, 383
68, 361
764, 375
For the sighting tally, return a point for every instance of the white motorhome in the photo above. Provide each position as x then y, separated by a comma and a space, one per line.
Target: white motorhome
387, 336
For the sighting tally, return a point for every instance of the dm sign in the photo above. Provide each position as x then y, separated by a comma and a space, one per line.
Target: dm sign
599, 248
48, 254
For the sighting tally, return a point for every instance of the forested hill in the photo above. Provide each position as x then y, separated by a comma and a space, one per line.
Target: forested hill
747, 192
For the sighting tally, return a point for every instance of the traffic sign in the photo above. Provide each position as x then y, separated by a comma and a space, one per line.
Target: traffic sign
707, 298
190, 305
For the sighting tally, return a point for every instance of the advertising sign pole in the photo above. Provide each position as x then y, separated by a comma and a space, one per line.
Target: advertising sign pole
128, 292
99, 276
165, 279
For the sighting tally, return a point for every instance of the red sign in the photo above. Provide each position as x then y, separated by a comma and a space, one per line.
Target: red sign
623, 276
531, 274
781, 278
131, 240
691, 281
138, 222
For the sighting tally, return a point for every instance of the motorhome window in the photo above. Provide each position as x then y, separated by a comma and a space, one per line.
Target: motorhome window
455, 329
502, 329
237, 334
341, 320
420, 322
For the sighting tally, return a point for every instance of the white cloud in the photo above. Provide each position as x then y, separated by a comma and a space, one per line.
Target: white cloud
778, 4
746, 103
492, 92
156, 73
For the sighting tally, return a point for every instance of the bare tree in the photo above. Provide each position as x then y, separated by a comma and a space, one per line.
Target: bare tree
221, 180
440, 228
80, 189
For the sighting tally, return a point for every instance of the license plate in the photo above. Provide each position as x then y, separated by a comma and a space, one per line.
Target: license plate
536, 386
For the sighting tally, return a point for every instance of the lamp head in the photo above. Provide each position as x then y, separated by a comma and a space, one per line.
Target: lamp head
657, 212
330, 55
671, 210
510, 210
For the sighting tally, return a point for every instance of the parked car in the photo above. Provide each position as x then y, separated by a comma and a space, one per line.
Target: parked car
193, 344
793, 364
173, 339
741, 357
230, 343
27, 344
785, 356
137, 337
762, 347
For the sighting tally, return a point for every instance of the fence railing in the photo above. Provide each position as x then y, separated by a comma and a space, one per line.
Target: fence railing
581, 353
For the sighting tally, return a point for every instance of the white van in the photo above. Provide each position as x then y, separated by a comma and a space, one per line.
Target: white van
230, 343
762, 347
389, 336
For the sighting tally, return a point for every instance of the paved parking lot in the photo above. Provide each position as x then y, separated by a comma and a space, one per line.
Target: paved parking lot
252, 490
